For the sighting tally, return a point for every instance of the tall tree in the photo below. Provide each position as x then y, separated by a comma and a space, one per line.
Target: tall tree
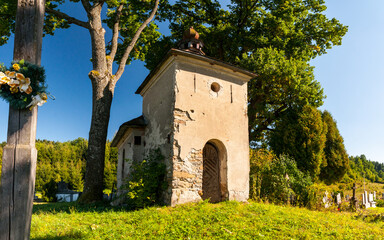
128, 20
274, 38
336, 160
301, 134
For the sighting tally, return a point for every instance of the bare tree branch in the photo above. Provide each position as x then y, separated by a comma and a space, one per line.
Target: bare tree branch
87, 6
115, 36
128, 50
68, 18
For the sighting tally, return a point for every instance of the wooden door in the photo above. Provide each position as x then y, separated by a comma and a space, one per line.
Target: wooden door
211, 173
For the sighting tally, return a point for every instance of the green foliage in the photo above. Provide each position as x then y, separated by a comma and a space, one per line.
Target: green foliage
282, 84
7, 18
277, 180
336, 161
146, 182
49, 190
131, 19
283, 180
380, 203
316, 193
274, 38
110, 167
362, 168
57, 161
226, 220
301, 134
260, 159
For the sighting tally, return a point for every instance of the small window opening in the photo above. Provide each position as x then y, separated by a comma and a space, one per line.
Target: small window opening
215, 87
137, 140
169, 138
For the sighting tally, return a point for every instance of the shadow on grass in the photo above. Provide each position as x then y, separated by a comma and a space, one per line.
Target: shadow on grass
75, 207
66, 237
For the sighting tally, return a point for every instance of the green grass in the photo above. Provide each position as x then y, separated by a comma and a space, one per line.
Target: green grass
227, 220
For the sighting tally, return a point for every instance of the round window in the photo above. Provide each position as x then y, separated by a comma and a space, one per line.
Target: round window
215, 87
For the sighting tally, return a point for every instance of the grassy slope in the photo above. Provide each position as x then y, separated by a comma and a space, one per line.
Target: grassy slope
228, 220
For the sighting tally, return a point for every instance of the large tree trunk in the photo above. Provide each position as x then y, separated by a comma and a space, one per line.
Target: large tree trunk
93, 186
102, 94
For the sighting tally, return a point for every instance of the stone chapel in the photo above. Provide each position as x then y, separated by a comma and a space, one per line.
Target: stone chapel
195, 112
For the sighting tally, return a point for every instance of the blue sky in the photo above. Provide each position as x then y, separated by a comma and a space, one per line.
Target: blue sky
351, 75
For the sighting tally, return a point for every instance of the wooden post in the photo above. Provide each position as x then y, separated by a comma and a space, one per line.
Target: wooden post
19, 155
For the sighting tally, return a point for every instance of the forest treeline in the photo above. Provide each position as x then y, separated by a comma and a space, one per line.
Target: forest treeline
65, 161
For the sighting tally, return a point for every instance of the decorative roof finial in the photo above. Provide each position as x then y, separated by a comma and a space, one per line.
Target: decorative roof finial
191, 42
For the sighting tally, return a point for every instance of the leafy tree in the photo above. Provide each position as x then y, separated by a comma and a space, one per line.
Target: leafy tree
128, 20
362, 168
76, 176
7, 19
301, 134
110, 167
274, 38
336, 160
66, 161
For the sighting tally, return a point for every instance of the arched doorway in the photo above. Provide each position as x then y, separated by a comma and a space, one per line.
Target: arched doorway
214, 171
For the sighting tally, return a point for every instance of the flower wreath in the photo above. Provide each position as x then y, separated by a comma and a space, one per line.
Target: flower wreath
23, 85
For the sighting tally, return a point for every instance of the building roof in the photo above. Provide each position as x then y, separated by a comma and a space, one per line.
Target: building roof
138, 122
212, 61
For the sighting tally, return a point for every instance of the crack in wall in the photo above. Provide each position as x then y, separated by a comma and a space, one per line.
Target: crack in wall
181, 117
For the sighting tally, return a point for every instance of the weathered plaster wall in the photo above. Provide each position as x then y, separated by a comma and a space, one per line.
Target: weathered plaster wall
158, 102
132, 153
202, 115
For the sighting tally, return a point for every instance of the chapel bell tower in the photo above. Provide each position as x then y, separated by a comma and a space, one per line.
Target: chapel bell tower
195, 111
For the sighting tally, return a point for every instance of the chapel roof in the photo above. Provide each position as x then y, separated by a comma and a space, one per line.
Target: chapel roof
212, 61
138, 122
191, 46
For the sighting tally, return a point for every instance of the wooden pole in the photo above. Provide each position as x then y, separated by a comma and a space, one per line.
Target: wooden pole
19, 155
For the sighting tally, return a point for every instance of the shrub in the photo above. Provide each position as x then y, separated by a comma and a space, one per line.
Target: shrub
380, 203
282, 181
316, 193
259, 160
146, 182
49, 191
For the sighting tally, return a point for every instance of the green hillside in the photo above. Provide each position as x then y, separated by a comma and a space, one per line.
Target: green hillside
227, 220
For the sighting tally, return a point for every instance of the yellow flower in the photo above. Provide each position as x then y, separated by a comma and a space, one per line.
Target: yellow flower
23, 81
10, 74
14, 83
16, 66
3, 78
14, 90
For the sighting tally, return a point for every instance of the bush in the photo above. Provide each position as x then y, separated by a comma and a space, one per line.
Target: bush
49, 191
316, 193
259, 161
146, 182
282, 181
380, 203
